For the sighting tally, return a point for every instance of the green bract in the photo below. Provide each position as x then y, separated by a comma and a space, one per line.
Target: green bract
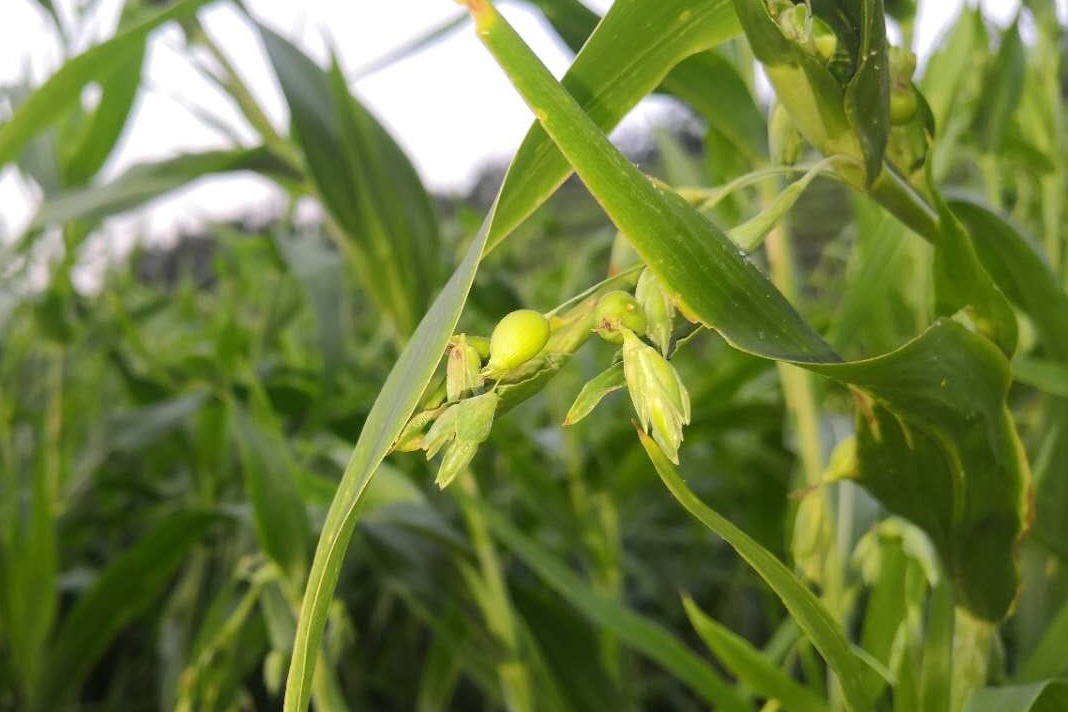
516, 339
658, 307
462, 372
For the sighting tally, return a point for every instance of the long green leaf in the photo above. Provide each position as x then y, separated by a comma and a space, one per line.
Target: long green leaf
1048, 658
105, 124
125, 590
1002, 88
1019, 269
394, 405
53, 99
731, 110
608, 78
147, 181
277, 508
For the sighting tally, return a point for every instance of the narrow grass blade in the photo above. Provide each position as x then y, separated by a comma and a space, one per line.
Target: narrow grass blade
277, 509
1019, 269
635, 630
1043, 374
366, 183
804, 607
147, 181
1048, 659
750, 666
395, 403
608, 78
104, 126
1002, 88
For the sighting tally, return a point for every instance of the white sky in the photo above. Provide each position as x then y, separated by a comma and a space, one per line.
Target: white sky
448, 106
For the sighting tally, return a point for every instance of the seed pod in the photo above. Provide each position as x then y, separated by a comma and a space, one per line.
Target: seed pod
903, 104
516, 339
903, 101
617, 311
659, 396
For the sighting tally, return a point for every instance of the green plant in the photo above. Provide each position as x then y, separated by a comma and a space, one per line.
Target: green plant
855, 312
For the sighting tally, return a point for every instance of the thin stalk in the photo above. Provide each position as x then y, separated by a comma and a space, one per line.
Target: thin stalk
599, 522
232, 83
904, 202
797, 383
971, 656
803, 409
496, 604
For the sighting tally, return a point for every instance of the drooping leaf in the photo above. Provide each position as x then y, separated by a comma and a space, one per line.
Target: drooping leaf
811, 616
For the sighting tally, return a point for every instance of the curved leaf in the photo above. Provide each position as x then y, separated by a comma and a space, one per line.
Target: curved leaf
395, 403
147, 181
804, 607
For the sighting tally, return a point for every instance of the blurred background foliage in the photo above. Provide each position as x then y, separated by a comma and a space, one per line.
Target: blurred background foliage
170, 440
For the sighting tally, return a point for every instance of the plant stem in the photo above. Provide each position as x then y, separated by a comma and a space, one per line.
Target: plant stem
801, 404
496, 604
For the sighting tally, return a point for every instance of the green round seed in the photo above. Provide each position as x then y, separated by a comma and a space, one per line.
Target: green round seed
516, 339
618, 310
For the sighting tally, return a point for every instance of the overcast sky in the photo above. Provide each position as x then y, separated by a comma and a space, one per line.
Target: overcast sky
448, 106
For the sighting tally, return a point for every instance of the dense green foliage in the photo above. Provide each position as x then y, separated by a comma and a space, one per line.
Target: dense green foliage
846, 357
